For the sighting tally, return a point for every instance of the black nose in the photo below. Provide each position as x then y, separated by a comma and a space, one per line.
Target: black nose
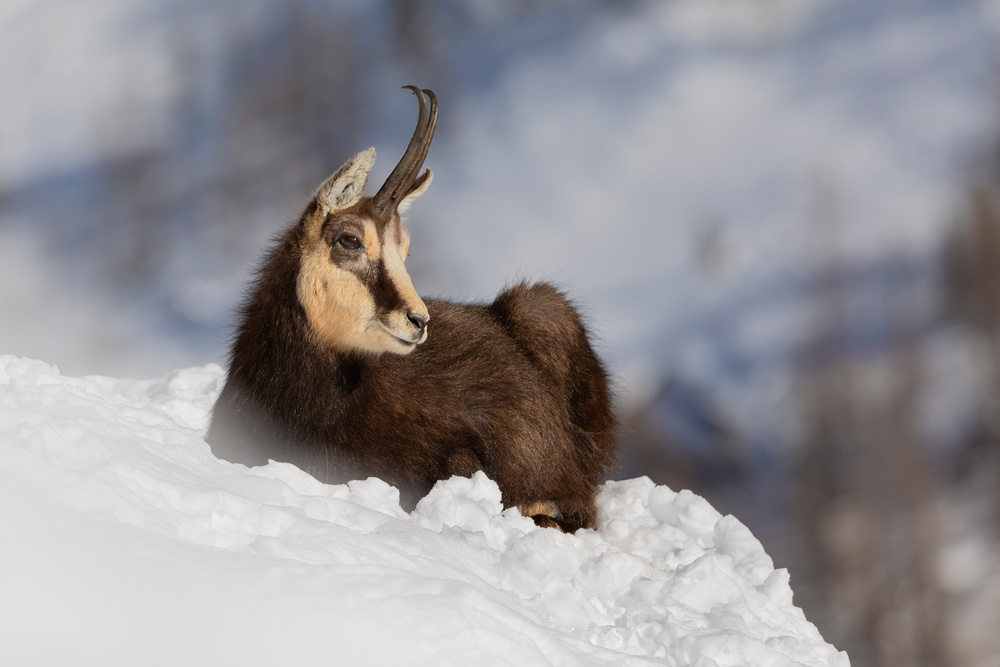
419, 322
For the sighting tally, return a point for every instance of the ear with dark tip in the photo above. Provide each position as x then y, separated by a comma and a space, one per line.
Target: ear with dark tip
418, 188
347, 185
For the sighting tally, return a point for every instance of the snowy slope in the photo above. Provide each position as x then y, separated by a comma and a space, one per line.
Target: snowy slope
126, 542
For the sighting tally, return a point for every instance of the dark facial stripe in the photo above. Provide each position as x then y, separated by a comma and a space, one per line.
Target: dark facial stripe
383, 291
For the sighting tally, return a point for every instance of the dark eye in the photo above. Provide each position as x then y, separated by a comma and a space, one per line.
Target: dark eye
349, 241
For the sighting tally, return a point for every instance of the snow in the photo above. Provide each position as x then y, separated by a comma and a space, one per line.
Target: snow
127, 542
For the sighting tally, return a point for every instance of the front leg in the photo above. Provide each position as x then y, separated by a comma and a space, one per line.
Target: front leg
461, 461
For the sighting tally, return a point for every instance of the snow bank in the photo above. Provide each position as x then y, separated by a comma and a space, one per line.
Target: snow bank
126, 542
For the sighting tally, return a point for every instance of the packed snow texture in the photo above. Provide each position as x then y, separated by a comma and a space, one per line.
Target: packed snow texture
127, 543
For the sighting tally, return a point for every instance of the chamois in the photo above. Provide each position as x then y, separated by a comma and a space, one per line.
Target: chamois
339, 367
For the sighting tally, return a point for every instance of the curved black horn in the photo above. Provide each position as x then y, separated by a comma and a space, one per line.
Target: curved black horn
428, 137
398, 184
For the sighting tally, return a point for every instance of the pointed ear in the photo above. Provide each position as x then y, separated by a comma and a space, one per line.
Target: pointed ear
418, 188
347, 186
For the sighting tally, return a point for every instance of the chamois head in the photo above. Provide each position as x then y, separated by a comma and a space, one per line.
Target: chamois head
352, 282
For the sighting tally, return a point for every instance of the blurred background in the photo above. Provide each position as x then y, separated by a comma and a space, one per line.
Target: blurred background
780, 217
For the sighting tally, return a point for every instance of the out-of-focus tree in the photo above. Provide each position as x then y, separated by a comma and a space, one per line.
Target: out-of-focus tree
867, 537
972, 289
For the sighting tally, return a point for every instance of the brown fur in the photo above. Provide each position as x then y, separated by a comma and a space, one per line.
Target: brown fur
512, 388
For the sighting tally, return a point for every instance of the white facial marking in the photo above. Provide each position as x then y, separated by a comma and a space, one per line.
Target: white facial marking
373, 248
398, 323
338, 304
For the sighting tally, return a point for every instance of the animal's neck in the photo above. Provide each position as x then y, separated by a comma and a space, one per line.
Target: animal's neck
276, 345
350, 372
